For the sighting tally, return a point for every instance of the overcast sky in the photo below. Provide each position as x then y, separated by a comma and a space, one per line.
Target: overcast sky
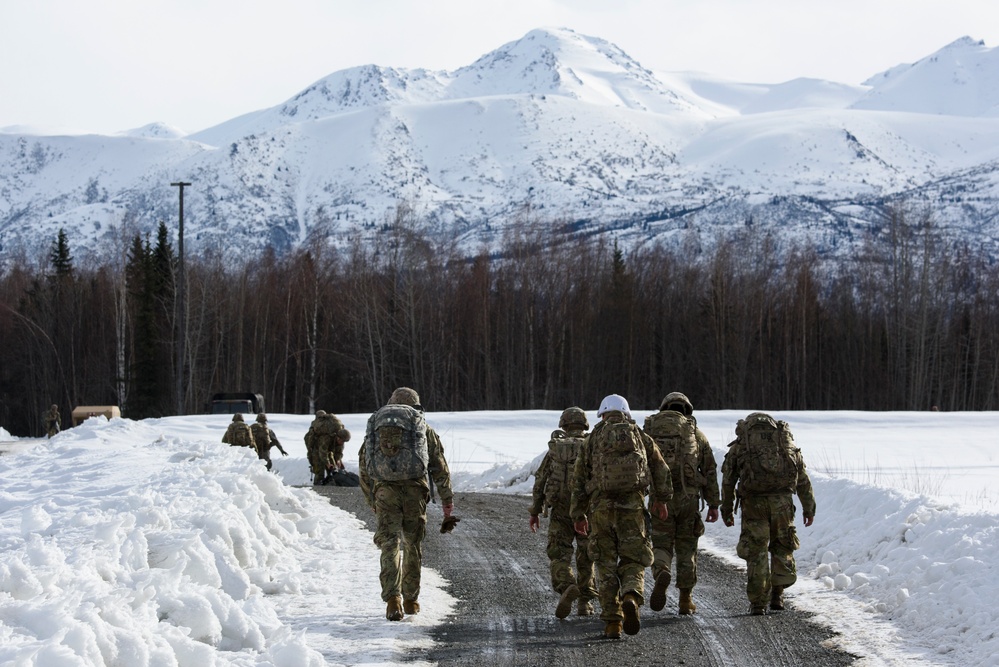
111, 65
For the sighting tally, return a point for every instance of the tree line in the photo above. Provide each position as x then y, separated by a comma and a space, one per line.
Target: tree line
545, 319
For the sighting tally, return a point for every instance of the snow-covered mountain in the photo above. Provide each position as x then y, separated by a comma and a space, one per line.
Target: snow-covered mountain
555, 127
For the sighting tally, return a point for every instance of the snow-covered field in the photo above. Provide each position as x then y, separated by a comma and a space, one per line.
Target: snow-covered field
151, 543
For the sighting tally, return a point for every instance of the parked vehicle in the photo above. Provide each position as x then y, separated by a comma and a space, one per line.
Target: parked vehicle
229, 403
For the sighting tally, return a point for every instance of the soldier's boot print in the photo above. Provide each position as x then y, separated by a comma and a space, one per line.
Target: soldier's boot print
687, 605
393, 610
411, 607
612, 630
632, 621
585, 608
658, 598
569, 596
777, 598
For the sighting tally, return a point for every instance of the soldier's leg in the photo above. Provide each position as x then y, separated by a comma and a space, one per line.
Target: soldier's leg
634, 551
783, 542
663, 542
603, 553
689, 528
585, 571
753, 548
388, 538
560, 550
414, 529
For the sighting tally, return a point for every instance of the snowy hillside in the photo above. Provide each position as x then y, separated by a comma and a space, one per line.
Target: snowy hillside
565, 126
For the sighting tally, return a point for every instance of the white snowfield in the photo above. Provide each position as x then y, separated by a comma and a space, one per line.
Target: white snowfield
151, 543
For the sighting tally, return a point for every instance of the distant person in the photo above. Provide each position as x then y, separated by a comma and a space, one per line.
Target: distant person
264, 439
399, 452
238, 434
320, 443
695, 480
761, 472
339, 475
552, 495
617, 465
51, 421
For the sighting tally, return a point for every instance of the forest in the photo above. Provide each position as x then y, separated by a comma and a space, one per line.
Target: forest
544, 319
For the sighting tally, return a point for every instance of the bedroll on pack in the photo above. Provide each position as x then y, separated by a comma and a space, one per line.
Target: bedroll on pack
769, 462
562, 452
396, 446
618, 459
675, 436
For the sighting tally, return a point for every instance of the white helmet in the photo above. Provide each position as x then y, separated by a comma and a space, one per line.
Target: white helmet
614, 402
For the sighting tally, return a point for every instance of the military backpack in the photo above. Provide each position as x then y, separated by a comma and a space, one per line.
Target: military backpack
619, 463
768, 462
396, 444
261, 436
242, 436
675, 435
562, 452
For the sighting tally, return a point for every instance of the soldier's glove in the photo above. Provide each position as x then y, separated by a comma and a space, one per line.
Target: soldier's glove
727, 517
535, 523
448, 524
660, 510
712, 515
582, 527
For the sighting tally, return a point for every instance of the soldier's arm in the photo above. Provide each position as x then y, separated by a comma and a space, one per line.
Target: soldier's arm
438, 467
275, 442
580, 502
730, 477
362, 474
709, 468
538, 492
804, 490
662, 477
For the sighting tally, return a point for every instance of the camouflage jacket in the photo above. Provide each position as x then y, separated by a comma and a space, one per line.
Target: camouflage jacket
437, 470
538, 498
731, 488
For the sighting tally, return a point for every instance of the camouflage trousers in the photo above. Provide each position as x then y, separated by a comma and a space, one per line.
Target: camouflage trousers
560, 552
678, 535
402, 524
621, 550
265, 456
767, 543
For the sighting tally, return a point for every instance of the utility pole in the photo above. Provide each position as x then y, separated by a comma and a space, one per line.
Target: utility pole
181, 334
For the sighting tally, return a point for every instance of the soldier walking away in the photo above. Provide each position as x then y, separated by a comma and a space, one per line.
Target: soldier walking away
398, 452
320, 443
551, 497
761, 472
264, 439
51, 421
616, 466
695, 481
238, 434
339, 475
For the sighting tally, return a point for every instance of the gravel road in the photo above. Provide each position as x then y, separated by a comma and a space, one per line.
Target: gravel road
499, 571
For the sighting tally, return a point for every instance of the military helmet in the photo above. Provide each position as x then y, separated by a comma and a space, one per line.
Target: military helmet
320, 413
573, 416
678, 403
238, 417
760, 419
614, 403
261, 417
404, 396
54, 407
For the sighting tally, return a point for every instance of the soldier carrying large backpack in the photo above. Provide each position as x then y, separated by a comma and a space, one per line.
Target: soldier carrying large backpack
264, 439
695, 480
399, 452
238, 433
764, 469
617, 466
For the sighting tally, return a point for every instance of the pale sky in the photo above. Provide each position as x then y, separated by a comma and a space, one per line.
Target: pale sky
111, 65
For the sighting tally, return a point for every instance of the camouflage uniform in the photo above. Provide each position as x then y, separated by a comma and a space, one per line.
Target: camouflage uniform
400, 508
237, 432
560, 529
679, 533
264, 439
619, 541
320, 443
51, 421
768, 538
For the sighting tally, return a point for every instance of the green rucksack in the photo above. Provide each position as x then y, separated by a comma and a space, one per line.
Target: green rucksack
261, 437
618, 458
562, 452
769, 460
395, 444
675, 434
242, 436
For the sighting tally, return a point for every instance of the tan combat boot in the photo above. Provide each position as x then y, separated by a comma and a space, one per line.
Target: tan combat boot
411, 607
777, 598
632, 622
658, 598
612, 630
569, 596
393, 610
687, 605
585, 607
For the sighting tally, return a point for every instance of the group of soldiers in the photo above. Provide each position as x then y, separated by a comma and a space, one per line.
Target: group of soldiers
259, 437
593, 488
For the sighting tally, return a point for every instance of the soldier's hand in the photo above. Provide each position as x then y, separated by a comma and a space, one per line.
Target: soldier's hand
582, 527
728, 519
712, 515
447, 510
808, 520
535, 523
659, 510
